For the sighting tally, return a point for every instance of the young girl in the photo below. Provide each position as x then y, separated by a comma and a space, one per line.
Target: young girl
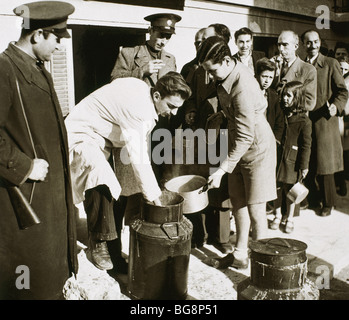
296, 148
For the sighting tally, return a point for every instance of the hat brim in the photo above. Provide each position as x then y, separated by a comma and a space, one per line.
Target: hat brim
164, 30
62, 34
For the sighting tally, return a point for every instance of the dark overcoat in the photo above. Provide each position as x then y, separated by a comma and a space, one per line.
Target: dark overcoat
296, 148
48, 250
275, 115
331, 88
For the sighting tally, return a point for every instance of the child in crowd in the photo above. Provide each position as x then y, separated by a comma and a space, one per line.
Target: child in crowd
265, 73
296, 148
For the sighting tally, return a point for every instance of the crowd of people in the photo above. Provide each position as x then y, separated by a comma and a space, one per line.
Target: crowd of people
286, 120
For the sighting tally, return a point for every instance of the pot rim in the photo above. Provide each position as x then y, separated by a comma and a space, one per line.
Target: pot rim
188, 177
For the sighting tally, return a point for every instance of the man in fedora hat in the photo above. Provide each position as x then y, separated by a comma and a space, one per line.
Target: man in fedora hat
149, 61
34, 157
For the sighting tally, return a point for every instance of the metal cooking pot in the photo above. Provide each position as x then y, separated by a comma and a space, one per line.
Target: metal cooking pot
193, 189
297, 193
171, 209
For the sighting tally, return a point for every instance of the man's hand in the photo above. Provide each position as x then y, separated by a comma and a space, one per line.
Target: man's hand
332, 109
157, 202
153, 66
304, 173
190, 118
39, 170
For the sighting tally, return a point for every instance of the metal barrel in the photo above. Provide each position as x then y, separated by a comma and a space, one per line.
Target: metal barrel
159, 253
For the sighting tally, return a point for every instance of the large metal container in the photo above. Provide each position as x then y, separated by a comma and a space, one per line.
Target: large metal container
160, 245
278, 271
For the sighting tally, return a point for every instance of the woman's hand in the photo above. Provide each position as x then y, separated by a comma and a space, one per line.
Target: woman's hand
214, 180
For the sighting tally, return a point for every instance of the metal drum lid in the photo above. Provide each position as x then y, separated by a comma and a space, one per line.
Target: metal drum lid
278, 246
278, 251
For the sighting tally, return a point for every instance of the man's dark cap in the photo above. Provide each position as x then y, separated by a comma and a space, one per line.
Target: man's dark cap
164, 22
51, 16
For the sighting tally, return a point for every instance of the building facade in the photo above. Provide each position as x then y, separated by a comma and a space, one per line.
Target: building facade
100, 28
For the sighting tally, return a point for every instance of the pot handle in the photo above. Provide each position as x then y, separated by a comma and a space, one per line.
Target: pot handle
284, 241
166, 227
204, 188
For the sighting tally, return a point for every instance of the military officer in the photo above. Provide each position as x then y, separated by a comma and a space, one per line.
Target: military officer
149, 61
34, 157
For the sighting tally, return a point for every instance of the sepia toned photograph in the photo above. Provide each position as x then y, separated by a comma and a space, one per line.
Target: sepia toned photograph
180, 152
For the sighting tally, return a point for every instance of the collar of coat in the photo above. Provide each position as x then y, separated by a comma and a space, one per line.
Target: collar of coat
295, 69
320, 60
143, 52
27, 67
228, 82
298, 117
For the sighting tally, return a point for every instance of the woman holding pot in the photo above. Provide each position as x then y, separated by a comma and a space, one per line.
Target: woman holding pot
251, 158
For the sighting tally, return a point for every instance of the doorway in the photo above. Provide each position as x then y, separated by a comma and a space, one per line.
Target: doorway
95, 50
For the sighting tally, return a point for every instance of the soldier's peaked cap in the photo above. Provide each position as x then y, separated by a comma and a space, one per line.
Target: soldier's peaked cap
47, 15
164, 22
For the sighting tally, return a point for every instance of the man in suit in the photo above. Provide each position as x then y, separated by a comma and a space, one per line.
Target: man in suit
327, 153
291, 68
189, 68
244, 41
149, 61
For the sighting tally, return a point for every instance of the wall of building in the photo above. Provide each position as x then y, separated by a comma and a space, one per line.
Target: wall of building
267, 18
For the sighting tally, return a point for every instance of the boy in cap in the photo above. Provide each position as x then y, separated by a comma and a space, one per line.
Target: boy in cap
149, 61
34, 157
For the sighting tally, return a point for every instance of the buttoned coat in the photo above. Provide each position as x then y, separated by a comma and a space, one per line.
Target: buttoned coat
132, 60
296, 148
305, 73
48, 249
331, 88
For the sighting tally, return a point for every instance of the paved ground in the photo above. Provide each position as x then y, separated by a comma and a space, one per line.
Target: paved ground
327, 239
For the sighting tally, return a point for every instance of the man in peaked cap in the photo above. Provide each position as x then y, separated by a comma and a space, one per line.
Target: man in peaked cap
40, 168
150, 61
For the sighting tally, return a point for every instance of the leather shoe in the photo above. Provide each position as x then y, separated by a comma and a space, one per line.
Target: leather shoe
100, 255
229, 261
326, 211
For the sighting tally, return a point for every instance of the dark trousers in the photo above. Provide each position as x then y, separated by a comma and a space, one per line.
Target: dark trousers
322, 190
198, 221
218, 224
327, 190
104, 218
99, 208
